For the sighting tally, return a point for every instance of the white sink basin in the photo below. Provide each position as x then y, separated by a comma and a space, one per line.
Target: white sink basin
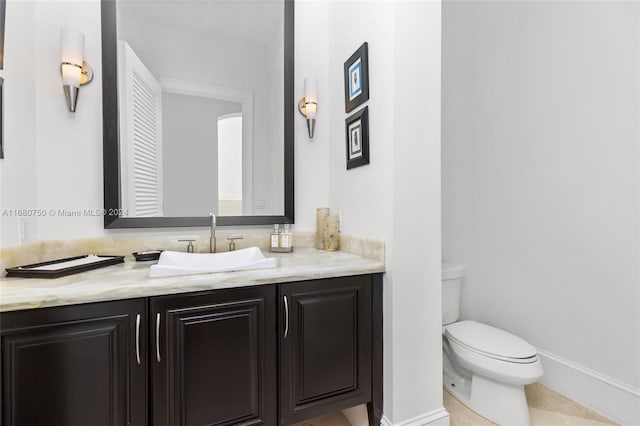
179, 263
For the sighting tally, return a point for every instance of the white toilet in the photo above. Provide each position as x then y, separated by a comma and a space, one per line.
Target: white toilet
484, 367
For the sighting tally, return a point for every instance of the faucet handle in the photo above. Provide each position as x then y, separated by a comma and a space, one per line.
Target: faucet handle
232, 241
189, 246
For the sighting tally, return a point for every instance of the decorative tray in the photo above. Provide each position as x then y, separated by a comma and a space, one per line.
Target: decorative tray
62, 267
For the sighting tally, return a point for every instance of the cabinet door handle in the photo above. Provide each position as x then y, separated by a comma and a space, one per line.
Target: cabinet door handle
158, 336
286, 316
138, 338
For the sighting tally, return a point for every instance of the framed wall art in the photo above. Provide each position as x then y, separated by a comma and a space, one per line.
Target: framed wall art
356, 78
357, 138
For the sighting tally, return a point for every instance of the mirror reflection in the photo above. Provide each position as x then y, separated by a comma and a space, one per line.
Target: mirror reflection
200, 107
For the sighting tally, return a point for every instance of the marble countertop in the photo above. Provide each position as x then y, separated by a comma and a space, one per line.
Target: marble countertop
131, 279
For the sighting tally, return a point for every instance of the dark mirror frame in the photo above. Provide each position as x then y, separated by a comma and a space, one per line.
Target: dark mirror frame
111, 146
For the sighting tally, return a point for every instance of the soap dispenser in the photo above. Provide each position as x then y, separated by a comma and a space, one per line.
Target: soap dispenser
286, 240
275, 239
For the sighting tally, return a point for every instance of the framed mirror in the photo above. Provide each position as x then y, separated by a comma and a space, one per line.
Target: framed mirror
197, 112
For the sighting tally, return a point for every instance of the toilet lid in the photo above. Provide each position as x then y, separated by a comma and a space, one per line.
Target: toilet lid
490, 340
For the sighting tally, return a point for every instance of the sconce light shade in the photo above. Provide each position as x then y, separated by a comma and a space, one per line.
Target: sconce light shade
311, 96
71, 56
75, 72
308, 106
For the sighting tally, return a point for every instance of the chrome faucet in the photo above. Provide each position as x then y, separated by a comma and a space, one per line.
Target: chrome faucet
190, 247
212, 238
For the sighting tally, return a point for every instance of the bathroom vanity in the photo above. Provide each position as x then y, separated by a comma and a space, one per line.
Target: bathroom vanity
255, 348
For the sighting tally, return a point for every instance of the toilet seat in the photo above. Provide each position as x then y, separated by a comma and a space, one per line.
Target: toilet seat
511, 373
492, 353
491, 342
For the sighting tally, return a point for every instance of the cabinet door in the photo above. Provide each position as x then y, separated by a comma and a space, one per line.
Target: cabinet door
214, 358
325, 338
75, 365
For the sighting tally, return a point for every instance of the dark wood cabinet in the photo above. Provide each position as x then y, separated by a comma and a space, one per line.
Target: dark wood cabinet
326, 347
214, 358
75, 365
263, 355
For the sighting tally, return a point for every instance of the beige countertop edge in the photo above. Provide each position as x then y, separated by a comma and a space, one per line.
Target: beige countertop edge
131, 280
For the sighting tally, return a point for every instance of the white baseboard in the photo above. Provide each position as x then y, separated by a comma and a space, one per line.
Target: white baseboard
439, 417
610, 397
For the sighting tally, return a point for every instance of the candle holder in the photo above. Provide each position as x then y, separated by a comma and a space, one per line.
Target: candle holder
321, 214
332, 233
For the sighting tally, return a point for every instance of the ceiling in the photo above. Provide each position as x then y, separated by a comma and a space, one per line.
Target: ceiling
243, 20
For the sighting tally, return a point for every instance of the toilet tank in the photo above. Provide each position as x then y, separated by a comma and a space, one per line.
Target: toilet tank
452, 276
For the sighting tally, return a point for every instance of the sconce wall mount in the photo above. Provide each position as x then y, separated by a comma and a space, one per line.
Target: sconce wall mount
308, 106
311, 122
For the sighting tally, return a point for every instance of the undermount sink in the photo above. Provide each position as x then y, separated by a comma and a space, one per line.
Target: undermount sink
179, 263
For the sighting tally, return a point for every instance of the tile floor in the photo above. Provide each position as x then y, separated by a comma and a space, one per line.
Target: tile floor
546, 407
333, 419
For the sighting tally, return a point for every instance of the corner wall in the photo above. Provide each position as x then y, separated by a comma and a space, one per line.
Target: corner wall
541, 123
397, 196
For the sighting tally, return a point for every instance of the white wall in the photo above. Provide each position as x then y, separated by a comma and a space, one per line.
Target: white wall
19, 132
68, 165
540, 180
311, 156
396, 196
416, 255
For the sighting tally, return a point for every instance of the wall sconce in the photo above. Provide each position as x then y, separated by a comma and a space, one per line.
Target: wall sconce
75, 72
308, 106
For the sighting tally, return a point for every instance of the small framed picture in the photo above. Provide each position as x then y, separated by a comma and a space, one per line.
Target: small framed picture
356, 78
357, 127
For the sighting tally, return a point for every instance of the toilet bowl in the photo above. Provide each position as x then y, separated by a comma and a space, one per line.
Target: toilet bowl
484, 367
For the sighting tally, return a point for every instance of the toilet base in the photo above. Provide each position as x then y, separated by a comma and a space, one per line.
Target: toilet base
499, 402
504, 404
